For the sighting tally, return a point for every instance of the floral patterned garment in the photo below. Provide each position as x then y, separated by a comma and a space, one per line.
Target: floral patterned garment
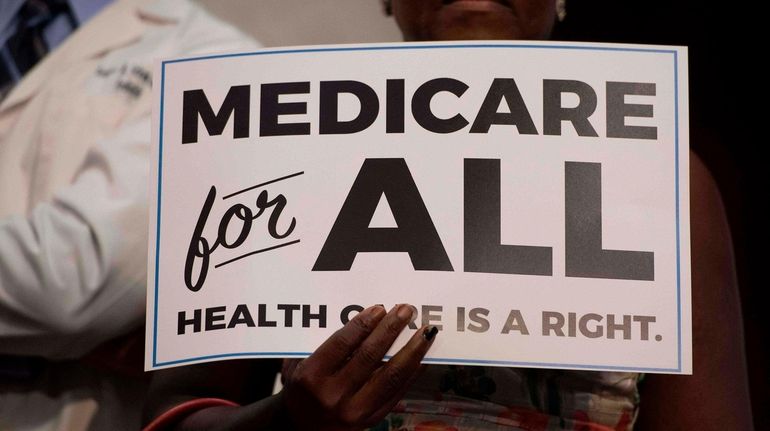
458, 398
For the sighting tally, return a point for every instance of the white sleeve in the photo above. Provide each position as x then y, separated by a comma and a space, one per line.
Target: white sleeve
73, 273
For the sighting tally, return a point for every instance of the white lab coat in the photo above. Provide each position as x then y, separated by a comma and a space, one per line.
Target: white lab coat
74, 143
74, 163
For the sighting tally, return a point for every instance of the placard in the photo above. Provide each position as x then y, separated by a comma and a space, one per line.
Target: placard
530, 199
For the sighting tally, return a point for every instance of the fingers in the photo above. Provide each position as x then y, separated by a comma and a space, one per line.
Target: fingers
344, 384
388, 385
384, 409
287, 368
368, 357
335, 351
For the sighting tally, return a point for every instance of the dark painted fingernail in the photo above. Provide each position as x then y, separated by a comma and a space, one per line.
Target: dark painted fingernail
430, 332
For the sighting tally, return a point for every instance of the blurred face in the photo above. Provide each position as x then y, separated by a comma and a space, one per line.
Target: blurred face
474, 19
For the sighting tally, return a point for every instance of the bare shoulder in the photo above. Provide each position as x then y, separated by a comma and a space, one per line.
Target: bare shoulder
716, 395
706, 204
711, 244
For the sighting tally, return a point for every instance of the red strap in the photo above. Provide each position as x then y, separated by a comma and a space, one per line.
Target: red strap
174, 415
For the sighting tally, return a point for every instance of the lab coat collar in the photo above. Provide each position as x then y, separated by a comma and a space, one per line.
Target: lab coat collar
119, 24
170, 11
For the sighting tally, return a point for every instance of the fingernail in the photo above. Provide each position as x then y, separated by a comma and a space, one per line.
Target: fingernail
374, 310
405, 312
430, 332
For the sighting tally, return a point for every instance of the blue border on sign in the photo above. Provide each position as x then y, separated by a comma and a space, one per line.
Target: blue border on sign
155, 362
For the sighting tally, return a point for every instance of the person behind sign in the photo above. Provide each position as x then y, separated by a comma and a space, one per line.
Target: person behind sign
344, 386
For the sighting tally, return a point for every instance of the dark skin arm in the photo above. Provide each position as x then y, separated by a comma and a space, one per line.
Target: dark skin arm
343, 385
226, 380
716, 396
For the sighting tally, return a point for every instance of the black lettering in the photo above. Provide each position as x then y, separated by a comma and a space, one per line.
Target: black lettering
241, 316
214, 315
271, 108
328, 120
415, 234
421, 105
237, 104
288, 310
307, 316
554, 113
431, 315
243, 213
279, 202
199, 246
394, 113
478, 318
483, 249
618, 110
183, 322
345, 313
583, 214
504, 89
262, 320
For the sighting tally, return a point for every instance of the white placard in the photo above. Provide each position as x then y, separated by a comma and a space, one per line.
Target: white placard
531, 199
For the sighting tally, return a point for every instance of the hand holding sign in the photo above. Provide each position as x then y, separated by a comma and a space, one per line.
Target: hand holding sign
345, 384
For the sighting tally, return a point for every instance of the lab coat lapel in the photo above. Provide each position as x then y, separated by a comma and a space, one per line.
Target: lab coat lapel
117, 25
